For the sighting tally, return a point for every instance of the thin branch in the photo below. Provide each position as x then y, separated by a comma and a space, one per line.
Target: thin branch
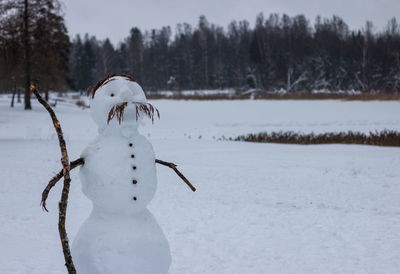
55, 179
64, 196
173, 166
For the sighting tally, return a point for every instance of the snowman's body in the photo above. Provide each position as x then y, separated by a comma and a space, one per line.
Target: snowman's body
119, 176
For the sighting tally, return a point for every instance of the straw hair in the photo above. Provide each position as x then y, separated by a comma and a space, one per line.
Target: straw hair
146, 108
92, 89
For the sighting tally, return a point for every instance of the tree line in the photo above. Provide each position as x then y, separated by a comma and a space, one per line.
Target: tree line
279, 53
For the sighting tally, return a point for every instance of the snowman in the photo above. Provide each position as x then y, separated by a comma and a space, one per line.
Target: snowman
119, 177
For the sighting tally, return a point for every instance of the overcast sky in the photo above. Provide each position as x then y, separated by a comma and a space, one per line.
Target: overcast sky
114, 18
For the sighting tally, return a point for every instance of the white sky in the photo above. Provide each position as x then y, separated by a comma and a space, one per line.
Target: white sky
114, 18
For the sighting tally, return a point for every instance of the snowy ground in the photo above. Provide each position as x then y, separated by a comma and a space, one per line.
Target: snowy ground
259, 208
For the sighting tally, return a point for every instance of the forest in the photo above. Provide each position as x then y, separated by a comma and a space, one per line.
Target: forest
279, 53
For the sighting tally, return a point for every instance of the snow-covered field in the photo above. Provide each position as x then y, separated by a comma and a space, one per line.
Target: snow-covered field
259, 208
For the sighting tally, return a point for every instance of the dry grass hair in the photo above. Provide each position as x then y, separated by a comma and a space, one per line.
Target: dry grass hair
92, 89
146, 108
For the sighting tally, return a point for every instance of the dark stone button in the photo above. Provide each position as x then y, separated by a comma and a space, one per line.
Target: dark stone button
132, 156
134, 182
134, 198
134, 167
130, 144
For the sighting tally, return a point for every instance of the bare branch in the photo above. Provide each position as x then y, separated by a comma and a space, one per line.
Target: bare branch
173, 166
55, 179
64, 196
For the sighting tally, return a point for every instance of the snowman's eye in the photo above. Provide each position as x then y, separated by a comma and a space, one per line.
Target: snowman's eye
112, 94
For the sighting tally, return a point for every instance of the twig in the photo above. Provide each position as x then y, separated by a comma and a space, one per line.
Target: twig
64, 196
173, 166
55, 179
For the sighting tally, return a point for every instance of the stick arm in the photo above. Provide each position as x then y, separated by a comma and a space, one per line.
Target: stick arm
173, 166
55, 179
81, 161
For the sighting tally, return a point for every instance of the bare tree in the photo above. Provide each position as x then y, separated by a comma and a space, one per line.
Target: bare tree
34, 32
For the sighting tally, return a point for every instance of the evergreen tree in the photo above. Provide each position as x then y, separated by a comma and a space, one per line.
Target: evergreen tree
135, 51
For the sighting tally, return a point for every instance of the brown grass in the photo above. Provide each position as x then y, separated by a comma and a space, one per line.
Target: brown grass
92, 89
294, 96
383, 138
81, 103
118, 111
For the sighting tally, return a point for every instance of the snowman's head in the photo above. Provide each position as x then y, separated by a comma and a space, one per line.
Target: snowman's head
118, 99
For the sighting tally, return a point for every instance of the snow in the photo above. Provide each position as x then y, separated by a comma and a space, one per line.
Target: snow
258, 208
213, 119
120, 244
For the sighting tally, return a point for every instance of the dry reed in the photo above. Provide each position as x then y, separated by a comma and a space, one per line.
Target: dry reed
383, 138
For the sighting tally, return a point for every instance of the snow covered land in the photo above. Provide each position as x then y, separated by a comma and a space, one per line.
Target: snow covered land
258, 208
